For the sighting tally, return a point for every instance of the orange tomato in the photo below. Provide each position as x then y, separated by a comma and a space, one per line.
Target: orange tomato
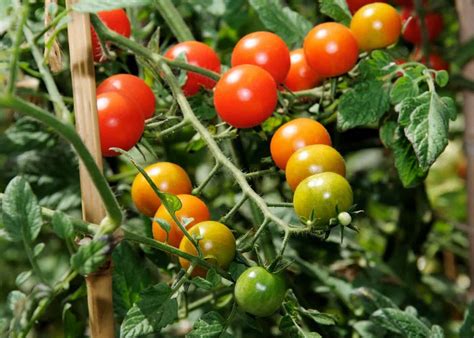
301, 76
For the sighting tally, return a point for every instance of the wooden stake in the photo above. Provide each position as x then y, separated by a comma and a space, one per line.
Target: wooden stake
465, 10
99, 285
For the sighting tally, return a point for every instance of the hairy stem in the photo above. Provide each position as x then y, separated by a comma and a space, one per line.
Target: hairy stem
16, 48
174, 20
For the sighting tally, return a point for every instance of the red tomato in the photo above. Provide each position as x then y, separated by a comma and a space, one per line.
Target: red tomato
301, 76
354, 5
117, 21
331, 49
435, 60
245, 96
266, 50
197, 54
191, 207
376, 25
121, 123
294, 135
412, 32
133, 88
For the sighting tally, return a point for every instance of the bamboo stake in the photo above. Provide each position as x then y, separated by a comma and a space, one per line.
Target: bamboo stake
99, 285
465, 10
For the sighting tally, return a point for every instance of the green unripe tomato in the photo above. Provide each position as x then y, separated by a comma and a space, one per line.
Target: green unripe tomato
324, 195
259, 292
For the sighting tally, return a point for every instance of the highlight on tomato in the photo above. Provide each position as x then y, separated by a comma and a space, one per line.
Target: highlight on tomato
301, 76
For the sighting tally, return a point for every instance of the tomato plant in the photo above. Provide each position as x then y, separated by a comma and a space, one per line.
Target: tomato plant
301, 76
412, 33
354, 5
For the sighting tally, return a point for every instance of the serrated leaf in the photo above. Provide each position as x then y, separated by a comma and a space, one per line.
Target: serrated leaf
90, 257
38, 249
371, 299
94, 6
437, 332
21, 212
319, 317
155, 311
364, 104
387, 133
368, 329
376, 66
23, 277
209, 325
289, 25
425, 119
467, 327
62, 225
291, 329
400, 322
405, 87
336, 9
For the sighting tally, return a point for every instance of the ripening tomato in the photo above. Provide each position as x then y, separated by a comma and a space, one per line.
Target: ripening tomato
376, 25
412, 33
191, 207
121, 122
117, 21
331, 49
259, 292
168, 177
266, 50
245, 96
461, 167
301, 76
313, 159
321, 197
434, 61
294, 135
354, 5
196, 54
217, 245
133, 88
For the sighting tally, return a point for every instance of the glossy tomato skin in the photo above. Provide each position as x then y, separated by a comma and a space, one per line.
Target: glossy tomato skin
266, 50
217, 245
191, 207
133, 88
301, 76
376, 25
294, 135
331, 49
117, 21
245, 96
322, 193
121, 122
197, 54
259, 292
412, 32
313, 159
354, 5
168, 177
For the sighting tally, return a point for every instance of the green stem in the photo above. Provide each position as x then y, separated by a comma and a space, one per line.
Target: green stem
211, 174
66, 131
32, 259
261, 173
60, 108
16, 48
234, 209
173, 128
218, 293
183, 278
280, 204
174, 20
52, 24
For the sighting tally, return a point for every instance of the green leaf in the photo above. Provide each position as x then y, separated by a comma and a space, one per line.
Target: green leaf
90, 257
164, 225
62, 225
94, 6
404, 87
23, 277
368, 329
319, 317
400, 322
467, 328
376, 66
73, 327
437, 332
21, 211
16, 303
155, 311
236, 269
364, 104
209, 325
38, 249
289, 25
442, 78
337, 10
425, 119
130, 277
371, 300
290, 328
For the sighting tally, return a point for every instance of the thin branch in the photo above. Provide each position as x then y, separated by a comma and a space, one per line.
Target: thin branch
16, 48
174, 20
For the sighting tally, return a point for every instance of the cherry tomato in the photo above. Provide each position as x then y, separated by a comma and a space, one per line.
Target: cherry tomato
191, 207
354, 5
376, 25
266, 50
331, 49
321, 197
461, 167
245, 96
412, 33
197, 54
435, 60
259, 292
168, 177
301, 76
121, 122
313, 159
294, 135
117, 21
217, 245
133, 88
